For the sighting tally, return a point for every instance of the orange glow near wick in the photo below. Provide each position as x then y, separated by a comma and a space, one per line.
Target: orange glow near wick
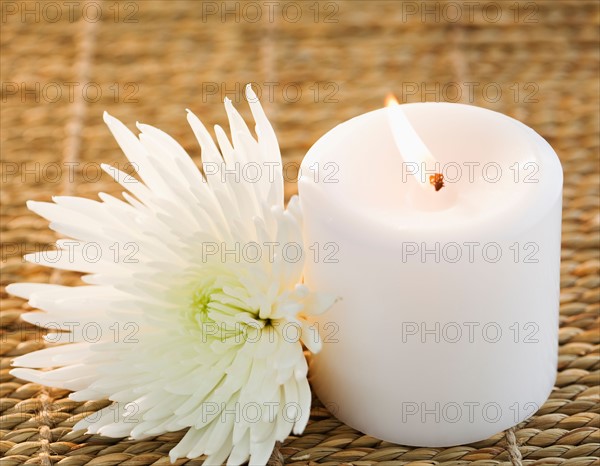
390, 100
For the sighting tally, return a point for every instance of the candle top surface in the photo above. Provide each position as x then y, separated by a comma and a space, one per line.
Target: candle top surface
494, 167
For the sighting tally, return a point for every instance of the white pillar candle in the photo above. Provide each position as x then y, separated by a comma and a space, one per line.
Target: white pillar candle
446, 330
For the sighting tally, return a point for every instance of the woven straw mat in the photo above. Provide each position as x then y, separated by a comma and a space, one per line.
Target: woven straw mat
154, 59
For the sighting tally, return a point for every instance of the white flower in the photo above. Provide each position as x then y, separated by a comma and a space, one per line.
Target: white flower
179, 323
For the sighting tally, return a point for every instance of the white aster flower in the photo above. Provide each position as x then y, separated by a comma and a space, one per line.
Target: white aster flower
177, 333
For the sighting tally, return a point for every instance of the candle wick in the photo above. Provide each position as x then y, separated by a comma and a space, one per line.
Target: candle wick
437, 181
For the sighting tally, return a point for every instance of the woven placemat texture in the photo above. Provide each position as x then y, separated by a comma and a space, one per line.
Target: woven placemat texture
339, 59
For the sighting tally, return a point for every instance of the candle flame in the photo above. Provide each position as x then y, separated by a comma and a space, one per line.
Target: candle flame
411, 146
390, 100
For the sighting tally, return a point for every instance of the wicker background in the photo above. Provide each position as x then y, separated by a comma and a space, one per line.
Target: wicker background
542, 55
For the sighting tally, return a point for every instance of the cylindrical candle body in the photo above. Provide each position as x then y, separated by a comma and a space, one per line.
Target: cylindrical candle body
446, 327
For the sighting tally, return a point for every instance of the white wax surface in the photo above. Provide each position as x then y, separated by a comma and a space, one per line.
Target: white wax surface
370, 168
371, 373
